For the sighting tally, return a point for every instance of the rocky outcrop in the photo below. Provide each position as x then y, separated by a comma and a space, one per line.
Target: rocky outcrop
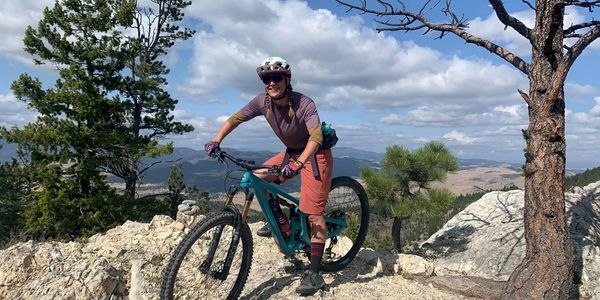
126, 263
486, 239
107, 265
483, 241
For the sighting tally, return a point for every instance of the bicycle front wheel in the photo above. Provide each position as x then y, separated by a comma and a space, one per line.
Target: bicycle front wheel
198, 269
347, 201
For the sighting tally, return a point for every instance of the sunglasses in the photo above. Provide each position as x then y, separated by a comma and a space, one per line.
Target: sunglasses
272, 78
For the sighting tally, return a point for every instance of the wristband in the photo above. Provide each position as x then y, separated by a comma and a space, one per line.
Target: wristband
299, 164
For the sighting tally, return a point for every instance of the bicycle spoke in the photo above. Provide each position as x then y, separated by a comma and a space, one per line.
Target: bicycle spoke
347, 218
343, 203
192, 283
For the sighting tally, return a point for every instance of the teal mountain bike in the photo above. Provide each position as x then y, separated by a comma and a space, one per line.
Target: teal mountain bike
213, 260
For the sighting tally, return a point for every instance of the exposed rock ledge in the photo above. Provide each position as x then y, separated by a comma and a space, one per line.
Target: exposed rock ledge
485, 241
126, 263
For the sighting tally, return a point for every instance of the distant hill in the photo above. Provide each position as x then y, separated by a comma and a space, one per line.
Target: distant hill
470, 163
358, 154
209, 175
7, 151
351, 156
583, 178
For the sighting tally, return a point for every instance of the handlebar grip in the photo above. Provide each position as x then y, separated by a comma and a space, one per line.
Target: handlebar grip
274, 170
217, 154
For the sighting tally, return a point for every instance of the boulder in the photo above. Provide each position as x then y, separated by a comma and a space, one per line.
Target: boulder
410, 265
486, 239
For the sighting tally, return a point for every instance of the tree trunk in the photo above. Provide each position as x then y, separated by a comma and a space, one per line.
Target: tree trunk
546, 270
131, 177
84, 174
396, 230
131, 184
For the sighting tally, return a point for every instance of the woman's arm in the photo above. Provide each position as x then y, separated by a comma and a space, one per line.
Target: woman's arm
311, 148
248, 112
224, 131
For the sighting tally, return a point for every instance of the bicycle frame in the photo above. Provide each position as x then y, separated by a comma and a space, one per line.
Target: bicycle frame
260, 188
218, 267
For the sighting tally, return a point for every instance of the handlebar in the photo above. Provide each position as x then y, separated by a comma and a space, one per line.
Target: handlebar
249, 165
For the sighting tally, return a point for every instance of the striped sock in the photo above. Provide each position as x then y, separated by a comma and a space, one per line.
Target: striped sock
316, 253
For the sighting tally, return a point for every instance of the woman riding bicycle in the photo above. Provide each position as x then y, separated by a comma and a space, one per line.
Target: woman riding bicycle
294, 119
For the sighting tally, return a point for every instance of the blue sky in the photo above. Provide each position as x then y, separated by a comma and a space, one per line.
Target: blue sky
377, 89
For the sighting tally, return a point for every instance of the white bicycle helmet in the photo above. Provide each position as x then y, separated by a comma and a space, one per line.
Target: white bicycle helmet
274, 65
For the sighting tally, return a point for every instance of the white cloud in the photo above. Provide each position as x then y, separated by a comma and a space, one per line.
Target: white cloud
335, 60
584, 122
459, 137
427, 116
15, 16
200, 123
398, 91
514, 130
513, 110
453, 115
492, 29
596, 109
255, 134
15, 112
573, 88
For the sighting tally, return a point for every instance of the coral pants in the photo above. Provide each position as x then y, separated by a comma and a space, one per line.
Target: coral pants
313, 190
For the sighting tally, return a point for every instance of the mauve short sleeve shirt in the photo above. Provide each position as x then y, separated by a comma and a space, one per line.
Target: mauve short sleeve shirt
292, 131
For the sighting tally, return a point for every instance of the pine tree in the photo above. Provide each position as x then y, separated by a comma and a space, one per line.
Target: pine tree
89, 120
176, 188
147, 104
403, 183
13, 188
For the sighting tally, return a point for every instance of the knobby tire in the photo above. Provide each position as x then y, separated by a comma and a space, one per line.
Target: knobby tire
210, 222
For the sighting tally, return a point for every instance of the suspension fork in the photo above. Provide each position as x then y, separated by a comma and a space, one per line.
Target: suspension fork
214, 243
239, 220
212, 248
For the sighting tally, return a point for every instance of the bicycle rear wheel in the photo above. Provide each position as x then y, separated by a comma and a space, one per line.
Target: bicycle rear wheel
348, 201
196, 268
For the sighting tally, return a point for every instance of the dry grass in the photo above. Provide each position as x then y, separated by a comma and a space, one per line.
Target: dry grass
476, 179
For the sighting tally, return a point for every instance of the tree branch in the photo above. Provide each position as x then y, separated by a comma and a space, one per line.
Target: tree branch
509, 20
529, 4
588, 4
576, 27
555, 87
152, 195
408, 18
525, 97
566, 63
155, 163
581, 44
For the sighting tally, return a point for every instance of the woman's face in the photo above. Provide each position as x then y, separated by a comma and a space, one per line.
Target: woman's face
275, 85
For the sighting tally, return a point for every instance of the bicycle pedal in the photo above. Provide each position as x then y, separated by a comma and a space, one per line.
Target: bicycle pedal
293, 266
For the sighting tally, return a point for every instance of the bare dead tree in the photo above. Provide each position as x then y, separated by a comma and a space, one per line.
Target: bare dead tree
546, 271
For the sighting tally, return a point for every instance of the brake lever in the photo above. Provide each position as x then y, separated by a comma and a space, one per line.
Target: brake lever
218, 155
274, 170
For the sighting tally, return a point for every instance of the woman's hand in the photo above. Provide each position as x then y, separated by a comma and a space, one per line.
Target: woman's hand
292, 169
211, 147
